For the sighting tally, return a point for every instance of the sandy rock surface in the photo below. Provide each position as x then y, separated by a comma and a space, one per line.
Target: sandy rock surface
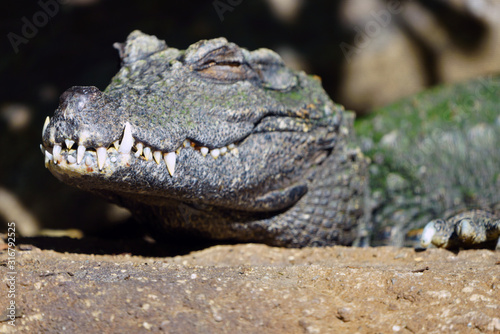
256, 289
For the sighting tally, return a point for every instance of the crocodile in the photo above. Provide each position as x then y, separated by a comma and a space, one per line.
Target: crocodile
222, 143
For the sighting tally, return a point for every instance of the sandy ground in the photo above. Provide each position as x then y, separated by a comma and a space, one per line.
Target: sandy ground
254, 289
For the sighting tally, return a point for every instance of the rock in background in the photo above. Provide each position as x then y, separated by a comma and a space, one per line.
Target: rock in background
401, 47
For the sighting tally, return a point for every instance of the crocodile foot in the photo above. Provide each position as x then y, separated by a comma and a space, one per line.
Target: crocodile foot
471, 229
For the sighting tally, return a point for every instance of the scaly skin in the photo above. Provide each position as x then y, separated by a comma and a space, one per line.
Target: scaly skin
222, 143
276, 170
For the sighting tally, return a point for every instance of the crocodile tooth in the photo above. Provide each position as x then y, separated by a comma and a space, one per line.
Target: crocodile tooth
71, 159
116, 144
223, 150
47, 121
186, 143
69, 143
139, 147
204, 151
127, 141
215, 153
170, 161
101, 157
147, 153
48, 158
80, 152
88, 161
157, 156
52, 135
42, 149
56, 152
231, 146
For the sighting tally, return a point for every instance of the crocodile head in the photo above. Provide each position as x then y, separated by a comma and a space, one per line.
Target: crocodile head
214, 125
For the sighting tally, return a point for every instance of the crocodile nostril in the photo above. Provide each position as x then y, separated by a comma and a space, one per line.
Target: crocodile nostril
76, 98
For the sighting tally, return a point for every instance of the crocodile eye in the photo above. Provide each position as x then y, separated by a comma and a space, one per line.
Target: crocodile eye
225, 55
219, 60
226, 64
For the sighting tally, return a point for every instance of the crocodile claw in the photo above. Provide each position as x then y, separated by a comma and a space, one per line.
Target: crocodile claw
471, 229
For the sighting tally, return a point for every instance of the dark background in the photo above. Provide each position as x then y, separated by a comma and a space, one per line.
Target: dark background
75, 46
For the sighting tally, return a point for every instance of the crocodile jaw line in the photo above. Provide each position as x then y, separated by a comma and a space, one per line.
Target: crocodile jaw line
83, 160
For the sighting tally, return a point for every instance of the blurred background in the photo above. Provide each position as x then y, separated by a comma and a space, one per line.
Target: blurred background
367, 52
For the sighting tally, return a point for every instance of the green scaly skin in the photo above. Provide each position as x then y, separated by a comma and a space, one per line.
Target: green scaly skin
436, 154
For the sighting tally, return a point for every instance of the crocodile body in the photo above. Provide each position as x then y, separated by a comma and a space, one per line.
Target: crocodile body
435, 155
216, 142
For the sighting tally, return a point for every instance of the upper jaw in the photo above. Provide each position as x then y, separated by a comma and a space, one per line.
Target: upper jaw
90, 132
